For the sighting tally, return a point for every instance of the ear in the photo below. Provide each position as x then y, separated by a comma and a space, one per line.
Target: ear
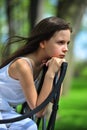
42, 44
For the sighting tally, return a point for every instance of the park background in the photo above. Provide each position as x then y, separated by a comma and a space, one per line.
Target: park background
17, 17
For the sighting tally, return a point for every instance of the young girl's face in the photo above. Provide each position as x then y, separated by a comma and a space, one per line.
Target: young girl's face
57, 45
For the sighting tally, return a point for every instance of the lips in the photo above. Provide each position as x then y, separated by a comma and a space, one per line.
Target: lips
61, 56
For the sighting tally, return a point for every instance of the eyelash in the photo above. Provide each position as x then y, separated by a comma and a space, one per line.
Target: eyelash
68, 43
61, 43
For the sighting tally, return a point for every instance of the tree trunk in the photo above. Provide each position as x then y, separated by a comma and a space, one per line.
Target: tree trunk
32, 14
9, 10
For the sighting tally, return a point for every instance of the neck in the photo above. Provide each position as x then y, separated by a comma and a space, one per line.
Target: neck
36, 61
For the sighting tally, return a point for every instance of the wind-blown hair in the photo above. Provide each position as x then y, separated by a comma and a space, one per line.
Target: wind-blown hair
44, 30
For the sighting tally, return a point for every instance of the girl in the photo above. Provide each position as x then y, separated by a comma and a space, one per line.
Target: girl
20, 74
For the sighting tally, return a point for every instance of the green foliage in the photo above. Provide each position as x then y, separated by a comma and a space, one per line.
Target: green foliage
72, 114
80, 69
50, 8
79, 83
1, 49
84, 72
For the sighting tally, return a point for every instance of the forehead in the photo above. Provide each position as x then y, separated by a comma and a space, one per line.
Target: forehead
63, 34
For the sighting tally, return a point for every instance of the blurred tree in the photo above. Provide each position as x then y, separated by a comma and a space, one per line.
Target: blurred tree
9, 9
71, 11
10, 18
33, 12
15, 13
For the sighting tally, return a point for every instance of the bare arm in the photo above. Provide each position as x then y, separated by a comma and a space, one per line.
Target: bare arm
24, 74
53, 67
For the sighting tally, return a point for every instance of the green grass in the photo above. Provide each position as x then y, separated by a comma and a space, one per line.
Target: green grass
72, 113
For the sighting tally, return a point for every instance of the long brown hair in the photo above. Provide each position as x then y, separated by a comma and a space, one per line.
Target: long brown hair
44, 30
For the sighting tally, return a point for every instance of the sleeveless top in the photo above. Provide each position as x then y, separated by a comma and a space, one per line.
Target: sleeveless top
10, 89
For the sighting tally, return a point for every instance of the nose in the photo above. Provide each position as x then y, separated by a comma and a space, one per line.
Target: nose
65, 49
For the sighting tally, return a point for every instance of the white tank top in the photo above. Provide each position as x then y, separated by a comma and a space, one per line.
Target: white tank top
10, 89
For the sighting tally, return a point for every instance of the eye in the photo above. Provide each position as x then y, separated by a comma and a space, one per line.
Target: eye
68, 43
61, 42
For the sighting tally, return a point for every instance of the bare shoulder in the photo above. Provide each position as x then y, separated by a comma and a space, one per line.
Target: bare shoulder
21, 64
19, 67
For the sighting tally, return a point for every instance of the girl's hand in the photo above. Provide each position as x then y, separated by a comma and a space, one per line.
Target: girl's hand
54, 65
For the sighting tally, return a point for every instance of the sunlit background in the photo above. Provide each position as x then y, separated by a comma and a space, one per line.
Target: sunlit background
17, 17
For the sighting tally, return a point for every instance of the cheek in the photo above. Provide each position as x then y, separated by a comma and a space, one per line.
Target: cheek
55, 52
